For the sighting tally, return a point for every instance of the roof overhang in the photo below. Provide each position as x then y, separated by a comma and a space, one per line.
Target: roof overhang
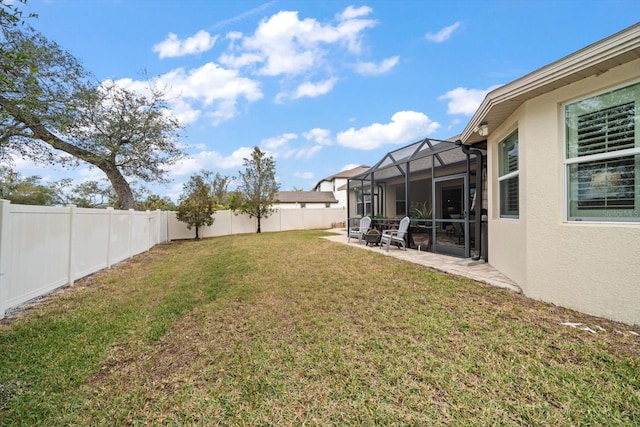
594, 59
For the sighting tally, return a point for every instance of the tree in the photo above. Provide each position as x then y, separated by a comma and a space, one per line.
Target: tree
48, 106
154, 202
92, 194
26, 191
219, 187
12, 24
196, 204
257, 192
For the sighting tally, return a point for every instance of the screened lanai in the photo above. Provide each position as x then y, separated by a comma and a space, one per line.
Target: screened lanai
433, 182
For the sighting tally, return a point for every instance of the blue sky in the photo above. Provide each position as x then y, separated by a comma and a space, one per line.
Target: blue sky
320, 85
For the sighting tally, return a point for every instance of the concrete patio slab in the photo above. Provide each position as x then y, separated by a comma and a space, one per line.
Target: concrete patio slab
472, 269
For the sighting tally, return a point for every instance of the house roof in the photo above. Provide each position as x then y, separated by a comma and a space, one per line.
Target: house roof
345, 174
305, 197
594, 59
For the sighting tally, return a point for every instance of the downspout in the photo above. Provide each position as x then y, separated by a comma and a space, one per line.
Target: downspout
478, 211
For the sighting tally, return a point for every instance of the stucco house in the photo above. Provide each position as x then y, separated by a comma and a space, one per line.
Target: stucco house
563, 149
336, 183
555, 158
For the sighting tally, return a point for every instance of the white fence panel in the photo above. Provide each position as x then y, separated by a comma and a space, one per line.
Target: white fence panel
287, 219
140, 239
37, 260
120, 247
90, 241
226, 222
43, 248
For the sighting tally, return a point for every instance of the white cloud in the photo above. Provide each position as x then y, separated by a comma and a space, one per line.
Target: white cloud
209, 90
444, 34
283, 44
311, 90
307, 153
320, 136
209, 160
281, 146
304, 175
405, 127
351, 12
307, 89
372, 69
239, 61
465, 101
173, 47
350, 166
277, 143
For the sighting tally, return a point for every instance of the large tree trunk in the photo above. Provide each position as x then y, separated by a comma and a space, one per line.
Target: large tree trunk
258, 224
119, 183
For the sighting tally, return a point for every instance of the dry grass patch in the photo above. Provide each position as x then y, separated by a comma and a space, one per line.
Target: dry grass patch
289, 329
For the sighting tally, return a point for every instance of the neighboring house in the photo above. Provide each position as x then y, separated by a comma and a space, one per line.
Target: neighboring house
561, 189
305, 199
337, 184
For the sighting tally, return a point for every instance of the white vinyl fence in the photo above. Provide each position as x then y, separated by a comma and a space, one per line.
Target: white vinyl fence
226, 222
43, 248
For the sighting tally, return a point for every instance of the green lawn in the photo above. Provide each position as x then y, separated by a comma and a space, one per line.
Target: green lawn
289, 329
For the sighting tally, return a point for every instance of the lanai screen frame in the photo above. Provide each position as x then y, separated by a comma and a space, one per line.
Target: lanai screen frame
421, 156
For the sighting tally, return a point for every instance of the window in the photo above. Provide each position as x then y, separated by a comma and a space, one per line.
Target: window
508, 177
603, 156
363, 203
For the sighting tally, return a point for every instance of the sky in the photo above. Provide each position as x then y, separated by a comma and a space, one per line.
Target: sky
321, 86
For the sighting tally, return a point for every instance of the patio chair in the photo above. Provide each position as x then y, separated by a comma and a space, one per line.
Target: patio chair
359, 232
396, 236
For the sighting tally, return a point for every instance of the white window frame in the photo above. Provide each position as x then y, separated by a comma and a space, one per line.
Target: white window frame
363, 203
508, 176
568, 162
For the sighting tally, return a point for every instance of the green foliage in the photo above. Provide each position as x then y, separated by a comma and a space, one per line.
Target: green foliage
196, 205
12, 26
219, 188
92, 194
49, 105
155, 202
26, 191
256, 194
420, 210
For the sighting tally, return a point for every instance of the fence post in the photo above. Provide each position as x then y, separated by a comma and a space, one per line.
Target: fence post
130, 233
109, 234
72, 220
148, 230
5, 253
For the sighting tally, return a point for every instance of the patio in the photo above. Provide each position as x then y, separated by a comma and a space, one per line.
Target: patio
435, 183
476, 270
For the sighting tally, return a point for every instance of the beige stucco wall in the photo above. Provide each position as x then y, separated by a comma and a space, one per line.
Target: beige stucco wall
592, 267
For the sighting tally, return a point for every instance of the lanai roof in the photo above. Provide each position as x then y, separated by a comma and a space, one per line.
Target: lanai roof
419, 155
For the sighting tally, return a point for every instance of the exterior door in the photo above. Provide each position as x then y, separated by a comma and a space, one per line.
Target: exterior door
451, 206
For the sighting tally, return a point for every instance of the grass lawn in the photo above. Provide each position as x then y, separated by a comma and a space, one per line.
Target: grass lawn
289, 329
